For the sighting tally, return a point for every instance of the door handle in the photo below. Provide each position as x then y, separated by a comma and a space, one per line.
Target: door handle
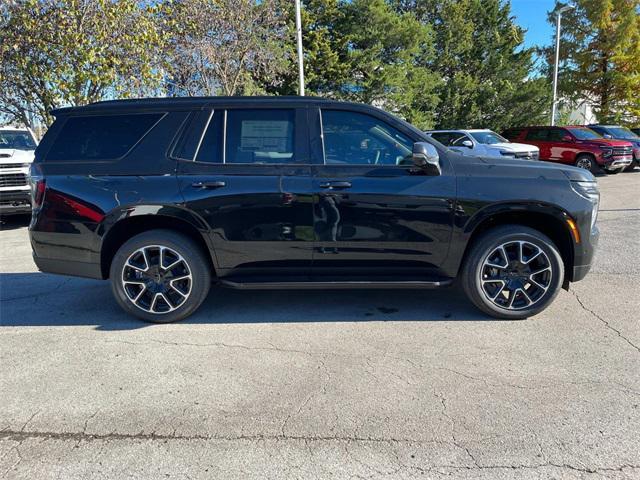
209, 185
335, 185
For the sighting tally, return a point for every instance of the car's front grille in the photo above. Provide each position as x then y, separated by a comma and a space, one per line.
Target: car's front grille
622, 151
527, 155
13, 180
10, 165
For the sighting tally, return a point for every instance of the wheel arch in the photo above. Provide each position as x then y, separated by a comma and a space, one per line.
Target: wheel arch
547, 219
587, 153
120, 226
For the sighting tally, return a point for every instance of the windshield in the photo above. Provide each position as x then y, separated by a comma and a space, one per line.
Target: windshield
488, 138
622, 132
584, 134
16, 139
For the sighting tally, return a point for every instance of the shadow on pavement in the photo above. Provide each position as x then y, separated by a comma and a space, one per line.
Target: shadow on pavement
13, 222
37, 299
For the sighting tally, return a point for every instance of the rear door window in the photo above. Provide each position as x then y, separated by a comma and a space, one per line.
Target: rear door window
557, 134
260, 136
103, 137
538, 134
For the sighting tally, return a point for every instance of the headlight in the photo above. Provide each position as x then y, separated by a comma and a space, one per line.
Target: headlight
606, 151
507, 153
589, 190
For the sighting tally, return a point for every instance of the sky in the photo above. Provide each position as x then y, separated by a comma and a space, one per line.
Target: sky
532, 15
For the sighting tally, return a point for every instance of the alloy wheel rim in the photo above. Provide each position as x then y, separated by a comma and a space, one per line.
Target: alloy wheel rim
156, 279
516, 275
584, 163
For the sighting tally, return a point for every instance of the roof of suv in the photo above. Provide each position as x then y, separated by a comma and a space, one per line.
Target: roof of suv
191, 102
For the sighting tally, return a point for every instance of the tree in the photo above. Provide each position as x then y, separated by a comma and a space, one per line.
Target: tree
600, 54
488, 77
227, 47
73, 52
365, 51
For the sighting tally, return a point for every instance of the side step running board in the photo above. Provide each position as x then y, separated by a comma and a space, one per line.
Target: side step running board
315, 285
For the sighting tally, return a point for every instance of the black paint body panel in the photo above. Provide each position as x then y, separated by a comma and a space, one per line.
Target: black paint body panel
393, 223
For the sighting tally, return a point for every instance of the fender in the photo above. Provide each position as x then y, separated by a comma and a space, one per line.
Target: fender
160, 214
523, 212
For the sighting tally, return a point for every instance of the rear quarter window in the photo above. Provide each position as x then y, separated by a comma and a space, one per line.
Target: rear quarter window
103, 137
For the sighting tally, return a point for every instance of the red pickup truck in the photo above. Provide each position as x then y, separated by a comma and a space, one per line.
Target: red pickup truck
579, 146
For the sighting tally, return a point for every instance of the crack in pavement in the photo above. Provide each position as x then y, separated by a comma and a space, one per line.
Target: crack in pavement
21, 436
604, 322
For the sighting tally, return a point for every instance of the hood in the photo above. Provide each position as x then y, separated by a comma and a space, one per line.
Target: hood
10, 155
514, 147
608, 142
571, 173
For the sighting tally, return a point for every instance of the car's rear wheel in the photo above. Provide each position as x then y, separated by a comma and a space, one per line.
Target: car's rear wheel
586, 162
160, 276
512, 272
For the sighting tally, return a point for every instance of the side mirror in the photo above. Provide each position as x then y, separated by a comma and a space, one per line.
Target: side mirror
567, 138
467, 143
425, 155
606, 135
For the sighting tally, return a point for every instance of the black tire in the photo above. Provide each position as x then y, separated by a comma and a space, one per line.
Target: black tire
474, 271
157, 303
587, 162
632, 165
613, 171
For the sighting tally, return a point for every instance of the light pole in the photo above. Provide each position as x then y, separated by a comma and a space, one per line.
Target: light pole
300, 60
559, 10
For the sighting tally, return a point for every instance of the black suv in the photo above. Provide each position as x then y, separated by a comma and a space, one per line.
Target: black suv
166, 196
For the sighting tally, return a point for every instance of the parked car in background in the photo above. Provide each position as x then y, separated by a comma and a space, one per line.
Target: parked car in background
17, 146
575, 145
484, 143
164, 196
621, 133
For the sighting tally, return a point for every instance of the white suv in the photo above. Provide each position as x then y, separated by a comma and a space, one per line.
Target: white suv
484, 143
17, 146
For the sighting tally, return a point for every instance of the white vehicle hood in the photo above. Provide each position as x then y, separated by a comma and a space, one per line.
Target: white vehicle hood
10, 155
514, 147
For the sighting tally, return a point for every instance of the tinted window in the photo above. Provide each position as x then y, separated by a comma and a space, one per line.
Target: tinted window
260, 136
16, 139
512, 133
557, 134
585, 134
192, 135
539, 134
459, 142
488, 138
210, 145
621, 132
352, 138
448, 138
100, 137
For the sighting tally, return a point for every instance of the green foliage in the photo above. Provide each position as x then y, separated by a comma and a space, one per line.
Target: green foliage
365, 51
73, 52
600, 57
486, 72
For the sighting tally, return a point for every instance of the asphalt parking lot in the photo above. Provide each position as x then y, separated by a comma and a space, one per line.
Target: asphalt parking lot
347, 384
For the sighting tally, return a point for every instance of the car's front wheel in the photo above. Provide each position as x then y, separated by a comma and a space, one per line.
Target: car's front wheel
160, 276
512, 272
586, 162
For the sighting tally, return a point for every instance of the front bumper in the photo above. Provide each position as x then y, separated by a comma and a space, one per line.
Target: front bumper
584, 253
618, 163
15, 203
